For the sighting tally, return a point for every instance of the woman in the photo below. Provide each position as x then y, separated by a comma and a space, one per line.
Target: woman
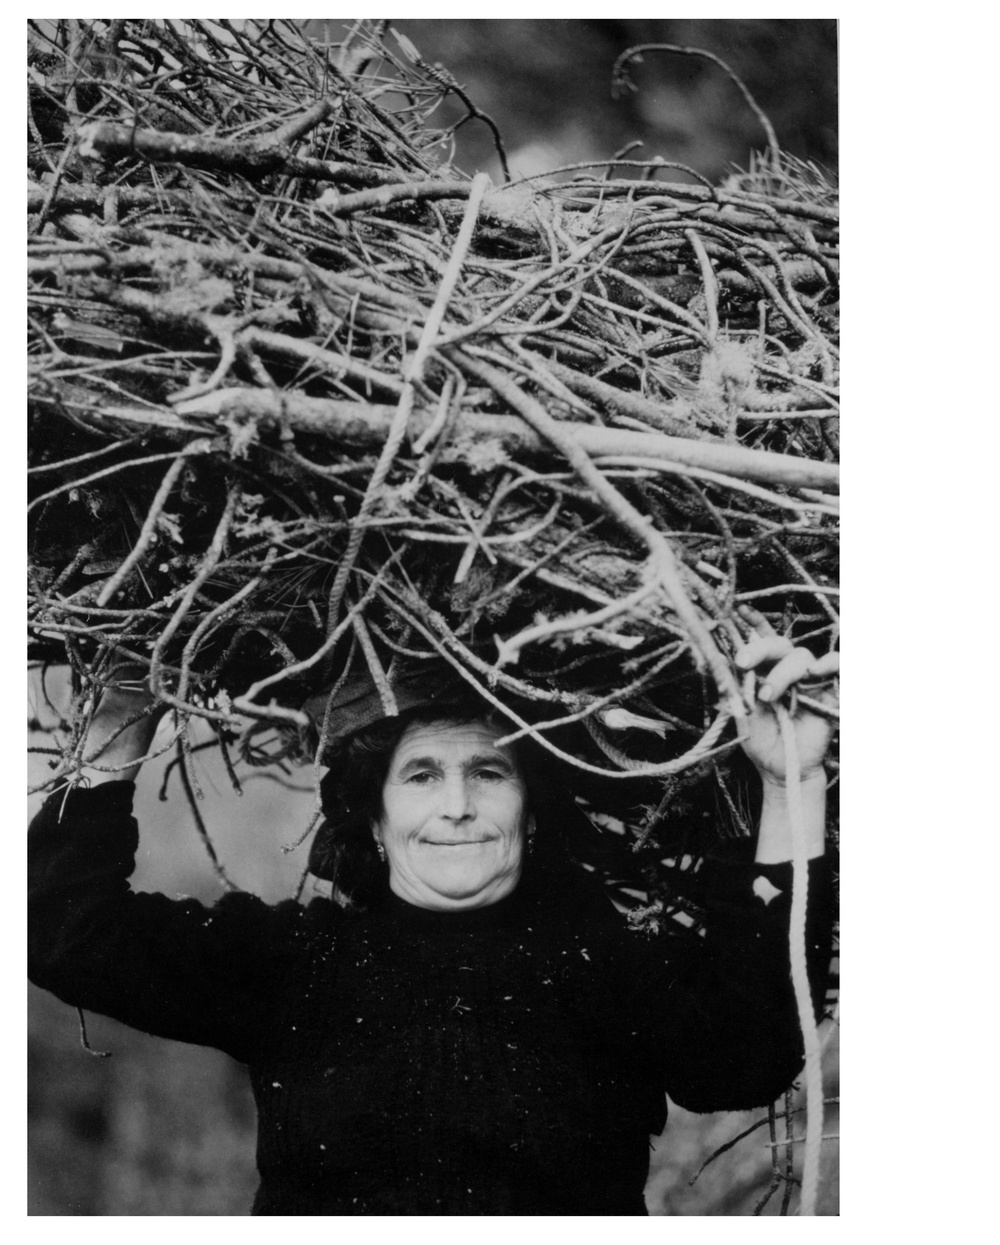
481, 1035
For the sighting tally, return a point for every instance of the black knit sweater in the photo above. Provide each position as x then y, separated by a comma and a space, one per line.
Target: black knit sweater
510, 1060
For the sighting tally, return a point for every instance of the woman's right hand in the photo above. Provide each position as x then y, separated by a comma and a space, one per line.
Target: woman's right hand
118, 739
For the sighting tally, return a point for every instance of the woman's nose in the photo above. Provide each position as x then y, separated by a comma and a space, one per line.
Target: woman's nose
456, 799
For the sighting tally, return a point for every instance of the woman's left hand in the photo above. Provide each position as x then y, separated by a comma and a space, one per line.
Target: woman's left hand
779, 666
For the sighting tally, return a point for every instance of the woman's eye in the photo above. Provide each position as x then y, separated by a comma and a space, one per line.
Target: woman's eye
490, 775
421, 778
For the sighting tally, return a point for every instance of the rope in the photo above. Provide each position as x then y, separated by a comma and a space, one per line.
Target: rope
800, 976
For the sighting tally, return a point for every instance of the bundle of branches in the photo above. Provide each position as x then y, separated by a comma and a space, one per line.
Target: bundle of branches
307, 400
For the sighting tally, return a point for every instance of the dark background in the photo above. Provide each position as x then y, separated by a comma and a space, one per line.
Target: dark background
164, 1129
547, 84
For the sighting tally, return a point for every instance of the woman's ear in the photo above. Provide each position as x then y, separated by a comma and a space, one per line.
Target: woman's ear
529, 829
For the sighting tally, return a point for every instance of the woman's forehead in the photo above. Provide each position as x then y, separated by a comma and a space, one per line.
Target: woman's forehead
452, 739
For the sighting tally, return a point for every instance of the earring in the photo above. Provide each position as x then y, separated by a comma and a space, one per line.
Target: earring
380, 849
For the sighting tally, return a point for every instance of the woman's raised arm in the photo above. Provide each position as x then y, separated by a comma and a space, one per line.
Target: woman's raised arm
122, 728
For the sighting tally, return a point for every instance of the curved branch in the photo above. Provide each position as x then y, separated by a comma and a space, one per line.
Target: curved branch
664, 567
620, 80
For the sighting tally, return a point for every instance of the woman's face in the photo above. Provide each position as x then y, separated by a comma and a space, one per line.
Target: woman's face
454, 816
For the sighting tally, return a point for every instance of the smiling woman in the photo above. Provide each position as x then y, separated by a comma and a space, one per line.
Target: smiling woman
430, 777
470, 1028
454, 816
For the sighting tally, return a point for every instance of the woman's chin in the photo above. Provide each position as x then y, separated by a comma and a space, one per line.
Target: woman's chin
461, 881
457, 876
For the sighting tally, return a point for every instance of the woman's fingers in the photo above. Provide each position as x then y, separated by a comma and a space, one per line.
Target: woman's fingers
826, 665
776, 661
762, 648
756, 620
796, 665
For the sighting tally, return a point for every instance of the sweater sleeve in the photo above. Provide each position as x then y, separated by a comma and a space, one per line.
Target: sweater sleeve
173, 968
727, 1013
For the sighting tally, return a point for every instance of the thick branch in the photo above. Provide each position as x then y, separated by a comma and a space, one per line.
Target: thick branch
363, 425
104, 140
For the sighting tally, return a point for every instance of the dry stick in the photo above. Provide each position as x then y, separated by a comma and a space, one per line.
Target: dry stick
308, 352
480, 185
818, 591
53, 188
80, 458
626, 403
572, 261
614, 697
408, 598
224, 259
139, 420
800, 382
223, 332
413, 373
383, 196
800, 973
475, 539
775, 1182
786, 1197
650, 465
445, 80
245, 703
85, 1041
76, 760
97, 475
537, 371
789, 306
83, 758
781, 1145
221, 611
208, 565
509, 650
710, 283
200, 446
728, 1145
82, 555
220, 873
324, 736
705, 747
619, 77
790, 301
536, 567
678, 314
436, 426
389, 705
676, 194
108, 141
663, 564
298, 127
362, 424
227, 760
701, 751
814, 589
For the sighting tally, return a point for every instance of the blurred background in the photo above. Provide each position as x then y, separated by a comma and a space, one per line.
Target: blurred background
547, 84
159, 1128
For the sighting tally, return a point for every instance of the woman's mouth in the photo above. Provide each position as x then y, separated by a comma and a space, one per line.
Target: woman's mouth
455, 842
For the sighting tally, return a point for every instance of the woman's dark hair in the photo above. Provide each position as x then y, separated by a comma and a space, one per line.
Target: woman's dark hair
344, 851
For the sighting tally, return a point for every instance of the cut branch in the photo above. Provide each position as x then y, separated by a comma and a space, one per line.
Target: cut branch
364, 425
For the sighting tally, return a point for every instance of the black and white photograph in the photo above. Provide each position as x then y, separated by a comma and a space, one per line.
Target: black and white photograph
434, 617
